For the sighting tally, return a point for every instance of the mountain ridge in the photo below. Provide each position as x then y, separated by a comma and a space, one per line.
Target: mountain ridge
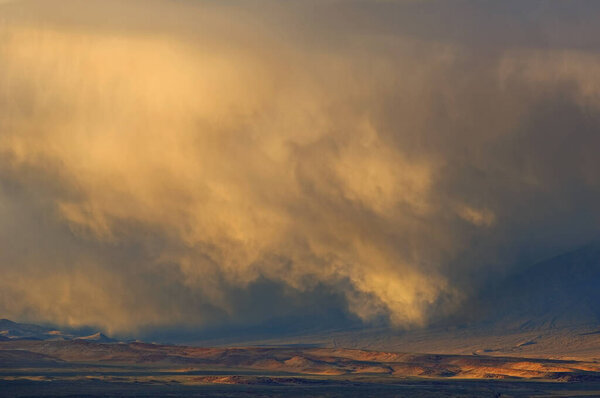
11, 330
550, 309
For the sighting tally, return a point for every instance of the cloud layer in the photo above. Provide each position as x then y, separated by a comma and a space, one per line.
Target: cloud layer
194, 163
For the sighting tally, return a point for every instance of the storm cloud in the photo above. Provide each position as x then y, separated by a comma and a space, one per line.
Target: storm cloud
198, 162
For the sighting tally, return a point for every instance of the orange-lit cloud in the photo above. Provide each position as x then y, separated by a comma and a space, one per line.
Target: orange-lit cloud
181, 153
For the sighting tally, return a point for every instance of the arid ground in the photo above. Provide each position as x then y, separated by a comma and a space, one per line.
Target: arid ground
89, 368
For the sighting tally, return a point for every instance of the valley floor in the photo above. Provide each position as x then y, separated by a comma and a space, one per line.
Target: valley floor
82, 368
287, 386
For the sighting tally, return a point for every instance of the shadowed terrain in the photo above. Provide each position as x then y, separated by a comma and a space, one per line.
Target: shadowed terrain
61, 368
307, 361
547, 310
550, 345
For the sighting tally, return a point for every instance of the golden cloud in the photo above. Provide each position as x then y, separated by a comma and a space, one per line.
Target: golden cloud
251, 156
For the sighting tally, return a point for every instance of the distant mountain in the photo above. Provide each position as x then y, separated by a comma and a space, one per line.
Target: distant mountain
10, 330
98, 338
562, 292
20, 328
550, 309
14, 330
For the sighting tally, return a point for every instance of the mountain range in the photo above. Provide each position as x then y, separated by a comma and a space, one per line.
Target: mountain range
531, 334
10, 330
550, 309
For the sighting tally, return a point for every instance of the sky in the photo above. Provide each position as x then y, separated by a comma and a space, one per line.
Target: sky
201, 164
